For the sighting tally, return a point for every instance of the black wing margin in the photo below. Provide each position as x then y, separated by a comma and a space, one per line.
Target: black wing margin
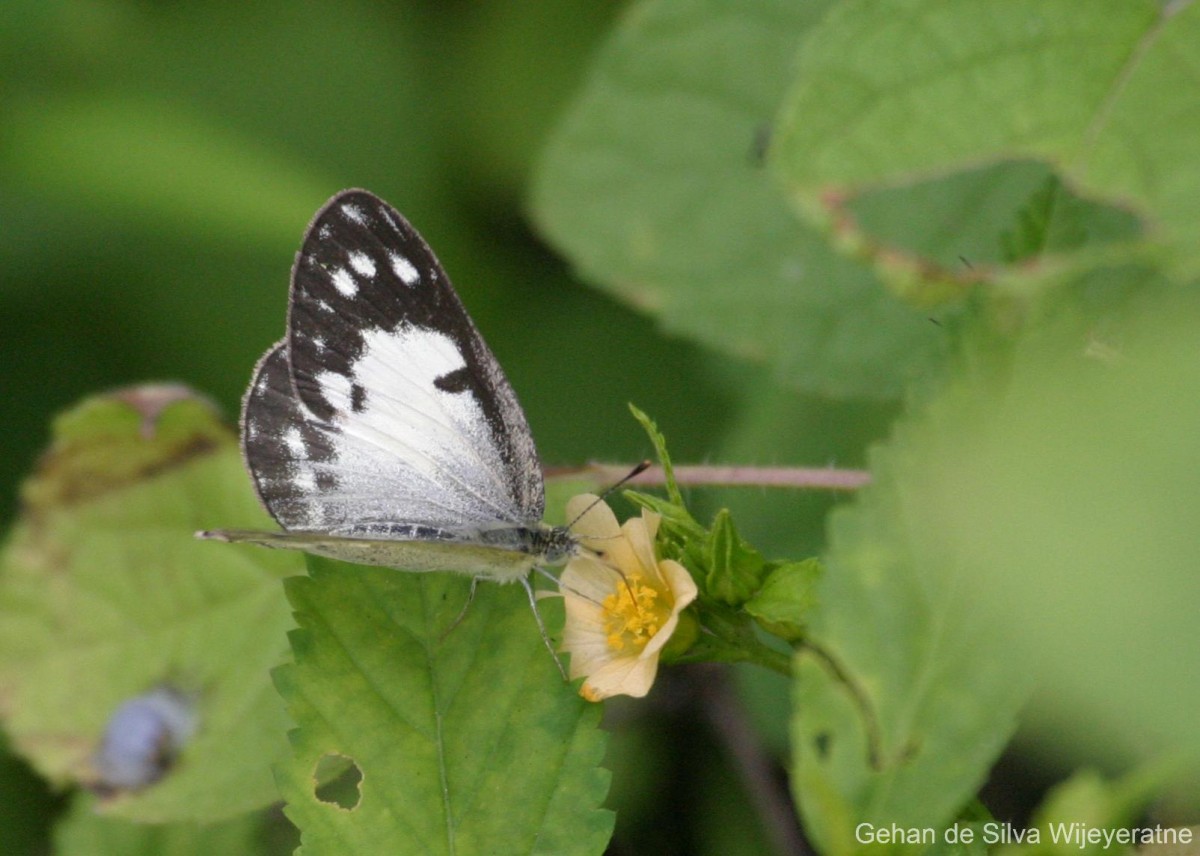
279, 442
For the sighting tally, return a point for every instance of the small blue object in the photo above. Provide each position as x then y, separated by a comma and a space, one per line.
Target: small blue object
143, 739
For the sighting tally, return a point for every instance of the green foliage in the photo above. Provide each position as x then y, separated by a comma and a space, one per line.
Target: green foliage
1012, 479
653, 188
660, 450
788, 593
85, 831
105, 594
725, 568
465, 737
881, 98
909, 691
1048, 222
960, 236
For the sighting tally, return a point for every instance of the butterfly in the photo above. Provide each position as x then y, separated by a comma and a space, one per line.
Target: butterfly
380, 429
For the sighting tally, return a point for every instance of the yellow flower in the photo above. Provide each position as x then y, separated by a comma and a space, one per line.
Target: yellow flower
622, 602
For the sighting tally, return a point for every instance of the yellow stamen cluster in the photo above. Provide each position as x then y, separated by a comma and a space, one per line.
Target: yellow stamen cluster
633, 613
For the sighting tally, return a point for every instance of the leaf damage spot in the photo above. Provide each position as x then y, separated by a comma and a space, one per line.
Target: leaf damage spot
151, 399
117, 439
336, 780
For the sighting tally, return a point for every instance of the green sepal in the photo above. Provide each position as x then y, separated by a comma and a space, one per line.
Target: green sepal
735, 569
787, 595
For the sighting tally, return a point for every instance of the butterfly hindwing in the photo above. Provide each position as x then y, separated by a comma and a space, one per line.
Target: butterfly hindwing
383, 404
284, 448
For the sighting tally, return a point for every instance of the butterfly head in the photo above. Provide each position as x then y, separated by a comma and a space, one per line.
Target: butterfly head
555, 544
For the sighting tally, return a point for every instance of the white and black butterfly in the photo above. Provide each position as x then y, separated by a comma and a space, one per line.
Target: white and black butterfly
380, 429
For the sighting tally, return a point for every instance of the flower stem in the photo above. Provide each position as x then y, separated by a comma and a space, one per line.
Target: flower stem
729, 637
769, 658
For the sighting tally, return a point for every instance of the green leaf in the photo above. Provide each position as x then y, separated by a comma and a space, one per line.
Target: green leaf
969, 835
969, 219
787, 595
677, 521
1089, 803
651, 188
85, 831
105, 593
1067, 498
466, 737
1103, 93
1030, 525
906, 690
735, 568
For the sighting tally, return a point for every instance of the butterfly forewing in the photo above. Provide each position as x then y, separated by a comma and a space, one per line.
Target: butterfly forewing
383, 403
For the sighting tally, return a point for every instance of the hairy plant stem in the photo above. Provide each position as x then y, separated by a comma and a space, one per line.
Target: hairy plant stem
797, 478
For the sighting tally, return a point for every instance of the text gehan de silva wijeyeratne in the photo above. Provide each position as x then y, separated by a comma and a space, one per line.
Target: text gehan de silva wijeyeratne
1076, 834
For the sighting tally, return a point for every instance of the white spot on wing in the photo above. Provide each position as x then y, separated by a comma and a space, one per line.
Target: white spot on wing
354, 214
344, 282
404, 269
294, 441
362, 263
306, 480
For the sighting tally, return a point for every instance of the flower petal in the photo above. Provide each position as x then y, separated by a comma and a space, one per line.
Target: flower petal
679, 581
626, 676
683, 590
587, 578
641, 545
659, 639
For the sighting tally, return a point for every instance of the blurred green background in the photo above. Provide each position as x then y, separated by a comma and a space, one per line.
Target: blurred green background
158, 165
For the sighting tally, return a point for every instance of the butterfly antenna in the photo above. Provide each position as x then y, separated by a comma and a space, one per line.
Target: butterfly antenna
632, 474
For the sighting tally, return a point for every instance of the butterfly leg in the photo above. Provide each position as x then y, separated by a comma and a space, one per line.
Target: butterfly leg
462, 613
537, 616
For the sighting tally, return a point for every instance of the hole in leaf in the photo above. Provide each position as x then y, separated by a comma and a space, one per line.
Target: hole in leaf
337, 779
